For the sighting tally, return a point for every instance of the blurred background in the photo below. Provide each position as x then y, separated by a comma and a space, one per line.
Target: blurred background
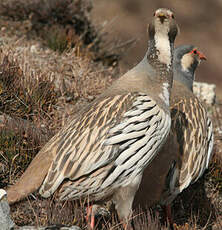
200, 24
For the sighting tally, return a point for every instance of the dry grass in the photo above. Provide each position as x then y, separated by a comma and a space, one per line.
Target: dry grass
42, 212
47, 212
40, 89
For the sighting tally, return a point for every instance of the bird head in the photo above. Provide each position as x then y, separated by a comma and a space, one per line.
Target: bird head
197, 55
185, 62
163, 23
162, 33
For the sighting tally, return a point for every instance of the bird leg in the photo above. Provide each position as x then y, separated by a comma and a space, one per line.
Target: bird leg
90, 218
123, 200
125, 226
128, 225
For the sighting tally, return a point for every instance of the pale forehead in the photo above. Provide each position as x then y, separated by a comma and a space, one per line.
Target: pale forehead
163, 10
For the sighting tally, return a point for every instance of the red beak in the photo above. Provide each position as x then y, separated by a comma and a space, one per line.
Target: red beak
202, 56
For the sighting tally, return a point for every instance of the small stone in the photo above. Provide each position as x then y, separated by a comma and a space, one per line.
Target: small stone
29, 228
6, 222
205, 92
71, 228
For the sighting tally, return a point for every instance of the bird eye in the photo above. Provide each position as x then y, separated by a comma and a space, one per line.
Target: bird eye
195, 51
172, 16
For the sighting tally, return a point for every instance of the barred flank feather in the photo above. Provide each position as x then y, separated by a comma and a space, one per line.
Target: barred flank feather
117, 152
196, 140
191, 126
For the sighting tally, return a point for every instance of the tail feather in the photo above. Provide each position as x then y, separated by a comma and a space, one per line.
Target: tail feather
32, 178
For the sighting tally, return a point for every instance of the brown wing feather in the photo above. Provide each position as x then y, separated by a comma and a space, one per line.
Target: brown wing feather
190, 125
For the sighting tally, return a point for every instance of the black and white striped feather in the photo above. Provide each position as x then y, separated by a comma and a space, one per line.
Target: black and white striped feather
107, 147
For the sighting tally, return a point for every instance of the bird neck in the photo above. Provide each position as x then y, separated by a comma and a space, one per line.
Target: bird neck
184, 75
159, 56
185, 78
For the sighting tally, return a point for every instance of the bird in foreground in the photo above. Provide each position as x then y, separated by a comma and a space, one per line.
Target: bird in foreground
101, 153
189, 144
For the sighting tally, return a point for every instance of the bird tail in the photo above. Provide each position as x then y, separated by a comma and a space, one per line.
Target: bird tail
32, 178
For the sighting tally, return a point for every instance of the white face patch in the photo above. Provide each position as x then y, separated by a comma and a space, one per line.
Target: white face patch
162, 43
186, 61
165, 96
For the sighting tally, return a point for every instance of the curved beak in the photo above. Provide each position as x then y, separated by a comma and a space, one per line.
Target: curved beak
202, 56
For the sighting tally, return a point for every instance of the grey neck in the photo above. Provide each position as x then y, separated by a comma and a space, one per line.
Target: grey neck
186, 77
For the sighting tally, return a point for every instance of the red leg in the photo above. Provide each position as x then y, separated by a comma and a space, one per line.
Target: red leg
90, 219
125, 226
128, 224
92, 222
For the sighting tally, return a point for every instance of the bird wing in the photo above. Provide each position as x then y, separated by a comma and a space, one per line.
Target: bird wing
112, 140
194, 133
